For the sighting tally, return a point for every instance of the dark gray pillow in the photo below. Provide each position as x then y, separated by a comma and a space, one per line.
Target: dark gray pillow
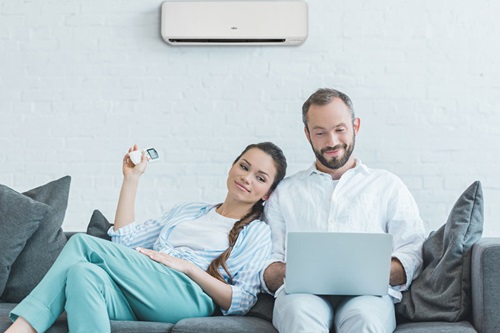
98, 225
20, 217
44, 246
442, 292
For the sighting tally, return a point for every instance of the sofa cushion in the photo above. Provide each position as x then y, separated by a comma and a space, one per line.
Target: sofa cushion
139, 327
219, 324
442, 292
263, 308
60, 326
44, 245
20, 217
439, 326
98, 225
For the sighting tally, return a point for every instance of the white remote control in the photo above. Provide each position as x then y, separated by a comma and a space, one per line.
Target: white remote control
151, 154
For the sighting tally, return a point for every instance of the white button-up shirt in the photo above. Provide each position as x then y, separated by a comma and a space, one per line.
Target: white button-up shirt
362, 200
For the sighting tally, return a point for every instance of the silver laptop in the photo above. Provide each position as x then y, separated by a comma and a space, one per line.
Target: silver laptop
332, 263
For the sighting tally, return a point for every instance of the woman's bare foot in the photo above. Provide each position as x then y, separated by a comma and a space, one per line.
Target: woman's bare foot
20, 325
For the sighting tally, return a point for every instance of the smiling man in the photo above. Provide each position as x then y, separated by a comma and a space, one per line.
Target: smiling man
340, 194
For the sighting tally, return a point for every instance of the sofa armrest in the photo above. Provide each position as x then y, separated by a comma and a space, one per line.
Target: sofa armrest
485, 278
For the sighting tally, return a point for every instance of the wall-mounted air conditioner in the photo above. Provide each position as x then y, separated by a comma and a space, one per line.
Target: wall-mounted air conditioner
234, 22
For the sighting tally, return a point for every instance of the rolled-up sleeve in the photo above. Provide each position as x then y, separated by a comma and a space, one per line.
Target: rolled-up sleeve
408, 232
145, 234
137, 234
249, 258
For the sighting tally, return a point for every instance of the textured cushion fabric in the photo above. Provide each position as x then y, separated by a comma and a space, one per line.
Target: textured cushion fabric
98, 225
20, 217
442, 292
220, 324
140, 327
44, 245
5, 321
486, 285
263, 308
60, 326
441, 327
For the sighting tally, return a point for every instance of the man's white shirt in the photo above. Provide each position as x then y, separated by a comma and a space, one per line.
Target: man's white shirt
362, 200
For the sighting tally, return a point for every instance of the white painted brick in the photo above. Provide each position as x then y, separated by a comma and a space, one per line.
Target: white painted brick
11, 21
76, 77
83, 20
36, 21
41, 95
80, 94
21, 34
5, 33
9, 94
13, 7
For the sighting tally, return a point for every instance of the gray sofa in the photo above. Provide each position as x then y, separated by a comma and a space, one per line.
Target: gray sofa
485, 316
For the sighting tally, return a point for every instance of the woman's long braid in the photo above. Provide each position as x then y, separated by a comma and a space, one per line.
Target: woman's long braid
213, 268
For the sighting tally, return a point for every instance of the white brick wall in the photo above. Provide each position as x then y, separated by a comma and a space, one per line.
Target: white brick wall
80, 81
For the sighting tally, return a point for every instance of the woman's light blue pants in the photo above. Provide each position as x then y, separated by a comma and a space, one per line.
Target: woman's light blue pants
95, 280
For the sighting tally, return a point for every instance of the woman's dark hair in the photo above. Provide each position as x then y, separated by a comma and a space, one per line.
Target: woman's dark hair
280, 163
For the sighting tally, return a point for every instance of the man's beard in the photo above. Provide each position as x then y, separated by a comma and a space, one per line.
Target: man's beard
336, 162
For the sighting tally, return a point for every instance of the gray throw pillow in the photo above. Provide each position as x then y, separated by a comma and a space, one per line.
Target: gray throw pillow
98, 226
44, 246
442, 292
20, 217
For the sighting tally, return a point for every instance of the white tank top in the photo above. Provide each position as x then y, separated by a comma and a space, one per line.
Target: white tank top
207, 233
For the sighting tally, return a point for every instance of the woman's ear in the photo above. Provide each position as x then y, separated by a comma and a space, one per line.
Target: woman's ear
265, 197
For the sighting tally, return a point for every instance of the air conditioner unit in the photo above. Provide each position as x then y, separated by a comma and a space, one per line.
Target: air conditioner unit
271, 22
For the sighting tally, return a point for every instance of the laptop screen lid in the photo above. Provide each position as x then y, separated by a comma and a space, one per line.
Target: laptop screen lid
334, 263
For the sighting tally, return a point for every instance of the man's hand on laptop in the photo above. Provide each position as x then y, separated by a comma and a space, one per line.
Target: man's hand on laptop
274, 275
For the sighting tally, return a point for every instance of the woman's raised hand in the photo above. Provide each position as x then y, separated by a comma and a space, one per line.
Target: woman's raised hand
129, 168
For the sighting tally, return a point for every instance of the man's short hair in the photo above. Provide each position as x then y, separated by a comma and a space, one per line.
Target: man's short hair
324, 96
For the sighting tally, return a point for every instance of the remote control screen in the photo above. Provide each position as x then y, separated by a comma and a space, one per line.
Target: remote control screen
152, 153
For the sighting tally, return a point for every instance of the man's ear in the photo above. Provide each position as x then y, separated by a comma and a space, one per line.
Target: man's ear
356, 123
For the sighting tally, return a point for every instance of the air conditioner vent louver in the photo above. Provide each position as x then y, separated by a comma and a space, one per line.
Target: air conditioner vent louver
226, 41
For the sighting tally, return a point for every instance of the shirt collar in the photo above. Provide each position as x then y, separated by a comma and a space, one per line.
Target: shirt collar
359, 167
205, 209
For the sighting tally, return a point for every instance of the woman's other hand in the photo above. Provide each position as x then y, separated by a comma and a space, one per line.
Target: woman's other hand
180, 265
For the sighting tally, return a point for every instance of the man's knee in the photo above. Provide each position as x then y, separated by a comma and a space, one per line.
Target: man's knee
362, 323
365, 315
302, 313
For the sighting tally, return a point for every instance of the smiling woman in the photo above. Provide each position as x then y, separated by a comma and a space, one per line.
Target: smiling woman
252, 173
211, 255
